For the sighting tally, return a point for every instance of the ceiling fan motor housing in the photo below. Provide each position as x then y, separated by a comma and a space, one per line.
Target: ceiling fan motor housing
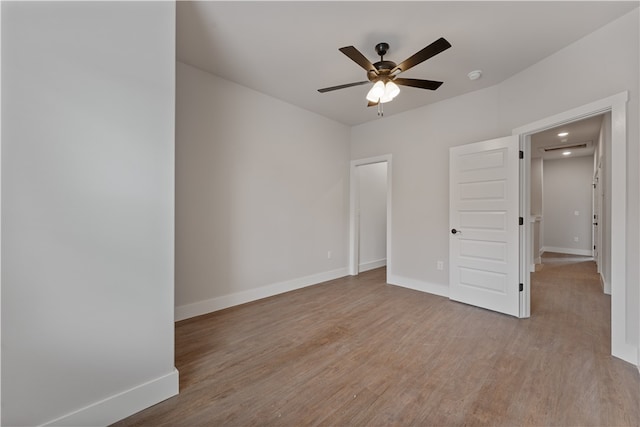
384, 70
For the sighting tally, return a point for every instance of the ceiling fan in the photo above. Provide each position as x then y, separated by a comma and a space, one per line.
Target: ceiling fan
384, 73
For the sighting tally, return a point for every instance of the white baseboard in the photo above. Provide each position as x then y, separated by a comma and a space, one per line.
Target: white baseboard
606, 286
199, 308
122, 405
418, 285
568, 251
626, 352
366, 266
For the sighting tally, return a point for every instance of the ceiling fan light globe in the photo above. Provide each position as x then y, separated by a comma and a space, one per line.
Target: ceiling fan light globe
376, 92
384, 99
372, 98
391, 90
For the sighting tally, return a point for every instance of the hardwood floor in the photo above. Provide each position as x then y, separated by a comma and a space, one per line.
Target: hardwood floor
355, 351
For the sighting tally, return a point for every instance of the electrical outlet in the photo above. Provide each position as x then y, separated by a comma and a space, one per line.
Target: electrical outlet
576, 213
440, 265
328, 254
575, 239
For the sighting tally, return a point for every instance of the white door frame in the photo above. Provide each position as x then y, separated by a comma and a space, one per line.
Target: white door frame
354, 224
596, 217
617, 105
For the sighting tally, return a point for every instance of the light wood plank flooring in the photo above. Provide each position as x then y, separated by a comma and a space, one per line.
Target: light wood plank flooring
356, 351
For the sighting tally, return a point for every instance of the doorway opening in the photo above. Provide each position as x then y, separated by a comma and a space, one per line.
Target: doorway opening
568, 169
616, 105
370, 214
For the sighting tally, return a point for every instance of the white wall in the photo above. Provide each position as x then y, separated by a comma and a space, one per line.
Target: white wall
372, 192
601, 64
87, 210
567, 190
261, 195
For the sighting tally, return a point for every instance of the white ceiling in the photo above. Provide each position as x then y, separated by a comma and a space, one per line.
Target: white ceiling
288, 50
584, 131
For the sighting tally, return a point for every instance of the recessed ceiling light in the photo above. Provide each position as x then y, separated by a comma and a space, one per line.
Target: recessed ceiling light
566, 153
563, 134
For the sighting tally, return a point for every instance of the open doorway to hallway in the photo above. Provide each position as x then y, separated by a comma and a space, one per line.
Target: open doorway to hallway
569, 200
621, 317
570, 221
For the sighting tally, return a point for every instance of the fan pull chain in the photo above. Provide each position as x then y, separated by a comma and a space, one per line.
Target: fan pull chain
380, 109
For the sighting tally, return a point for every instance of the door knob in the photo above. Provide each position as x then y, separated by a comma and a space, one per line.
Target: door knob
454, 231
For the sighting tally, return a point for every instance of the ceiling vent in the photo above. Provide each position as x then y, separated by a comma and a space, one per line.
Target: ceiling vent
567, 147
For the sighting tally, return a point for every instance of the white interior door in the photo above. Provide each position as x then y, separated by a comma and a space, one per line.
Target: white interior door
484, 224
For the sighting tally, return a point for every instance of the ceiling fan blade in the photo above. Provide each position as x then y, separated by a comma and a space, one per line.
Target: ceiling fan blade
422, 84
329, 89
433, 49
371, 104
355, 55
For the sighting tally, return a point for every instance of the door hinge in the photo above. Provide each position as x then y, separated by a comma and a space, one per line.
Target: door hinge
521, 285
594, 186
594, 247
522, 156
521, 220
